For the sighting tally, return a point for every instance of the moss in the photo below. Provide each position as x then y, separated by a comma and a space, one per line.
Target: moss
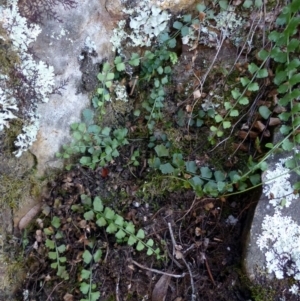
8, 57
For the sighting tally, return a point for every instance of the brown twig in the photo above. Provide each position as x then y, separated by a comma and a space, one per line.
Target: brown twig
185, 262
157, 271
54, 289
209, 272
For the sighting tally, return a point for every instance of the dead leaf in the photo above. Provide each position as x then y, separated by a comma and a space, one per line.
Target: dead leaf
160, 289
202, 16
68, 297
209, 206
38, 235
274, 121
198, 231
197, 94
178, 254
237, 2
188, 108
29, 216
259, 126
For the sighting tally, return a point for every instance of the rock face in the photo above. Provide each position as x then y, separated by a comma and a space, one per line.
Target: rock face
271, 250
74, 48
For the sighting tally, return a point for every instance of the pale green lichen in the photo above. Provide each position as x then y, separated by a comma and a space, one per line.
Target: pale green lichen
147, 21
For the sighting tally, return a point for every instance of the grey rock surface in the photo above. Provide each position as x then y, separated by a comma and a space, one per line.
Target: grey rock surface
83, 37
255, 261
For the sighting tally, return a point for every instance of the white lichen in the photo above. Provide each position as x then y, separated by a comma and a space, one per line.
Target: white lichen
227, 24
121, 93
277, 186
146, 23
280, 242
294, 289
35, 78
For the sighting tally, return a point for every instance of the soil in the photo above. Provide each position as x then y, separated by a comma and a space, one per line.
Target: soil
207, 247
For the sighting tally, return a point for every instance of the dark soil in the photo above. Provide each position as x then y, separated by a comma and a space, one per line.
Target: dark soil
208, 249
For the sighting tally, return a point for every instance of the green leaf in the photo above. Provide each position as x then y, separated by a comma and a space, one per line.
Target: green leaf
264, 112
262, 73
219, 176
187, 18
235, 93
150, 242
293, 45
252, 68
85, 274
223, 4
201, 7
166, 168
172, 43
61, 248
84, 287
221, 186
87, 256
119, 220
97, 204
85, 160
287, 145
95, 296
255, 179
234, 113
52, 255
177, 160
244, 81
278, 55
161, 151
291, 163
101, 78
54, 265
247, 3
258, 3
101, 222
226, 124
50, 244
244, 100
77, 135
97, 256
112, 228
253, 87
132, 240
167, 70
218, 118
106, 67
120, 234
280, 77
295, 79
135, 59
62, 259
227, 105
120, 67
191, 166
55, 222
269, 145
89, 215
160, 70
130, 228
184, 30
140, 234
149, 252
263, 54
140, 246
206, 172
285, 129
110, 76
109, 213
177, 25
